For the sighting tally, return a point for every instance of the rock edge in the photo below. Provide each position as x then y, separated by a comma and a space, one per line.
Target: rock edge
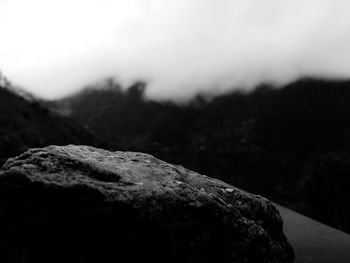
83, 204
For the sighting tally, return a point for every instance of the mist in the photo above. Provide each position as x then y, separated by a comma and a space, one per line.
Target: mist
180, 48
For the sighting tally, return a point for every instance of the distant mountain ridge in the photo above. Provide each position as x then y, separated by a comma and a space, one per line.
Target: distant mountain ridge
6, 84
290, 144
25, 123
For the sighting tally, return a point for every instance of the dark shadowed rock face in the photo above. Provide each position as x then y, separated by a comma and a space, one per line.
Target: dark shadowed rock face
82, 204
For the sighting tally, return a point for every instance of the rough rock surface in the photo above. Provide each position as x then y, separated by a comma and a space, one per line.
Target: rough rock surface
82, 204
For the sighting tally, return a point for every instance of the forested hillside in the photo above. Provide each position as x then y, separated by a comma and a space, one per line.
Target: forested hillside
25, 124
290, 144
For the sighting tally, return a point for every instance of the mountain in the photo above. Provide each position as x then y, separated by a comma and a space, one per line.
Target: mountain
290, 144
25, 123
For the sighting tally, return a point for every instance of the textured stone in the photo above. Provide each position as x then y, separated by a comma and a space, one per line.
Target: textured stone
82, 204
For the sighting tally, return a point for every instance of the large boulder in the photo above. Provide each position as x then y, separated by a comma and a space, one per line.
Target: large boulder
82, 204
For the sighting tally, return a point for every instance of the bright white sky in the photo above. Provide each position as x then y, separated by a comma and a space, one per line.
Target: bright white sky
54, 47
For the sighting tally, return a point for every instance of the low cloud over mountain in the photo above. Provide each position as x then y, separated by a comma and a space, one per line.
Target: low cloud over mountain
178, 47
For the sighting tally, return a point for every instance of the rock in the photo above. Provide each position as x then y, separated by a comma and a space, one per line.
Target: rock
82, 204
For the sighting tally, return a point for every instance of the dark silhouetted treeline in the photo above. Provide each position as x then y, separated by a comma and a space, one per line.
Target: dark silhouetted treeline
25, 124
290, 144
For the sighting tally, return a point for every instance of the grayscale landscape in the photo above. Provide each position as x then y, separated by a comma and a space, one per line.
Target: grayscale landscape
174, 131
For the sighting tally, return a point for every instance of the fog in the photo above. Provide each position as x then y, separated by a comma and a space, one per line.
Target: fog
180, 48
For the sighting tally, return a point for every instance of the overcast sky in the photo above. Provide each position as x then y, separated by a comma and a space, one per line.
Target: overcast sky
54, 47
